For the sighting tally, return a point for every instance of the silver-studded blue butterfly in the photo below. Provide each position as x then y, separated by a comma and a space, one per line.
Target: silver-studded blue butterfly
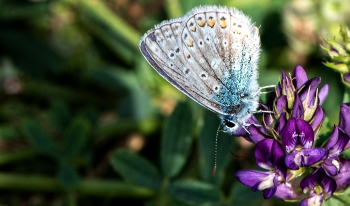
211, 55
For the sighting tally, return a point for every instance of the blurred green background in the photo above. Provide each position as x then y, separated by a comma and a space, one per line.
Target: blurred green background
84, 120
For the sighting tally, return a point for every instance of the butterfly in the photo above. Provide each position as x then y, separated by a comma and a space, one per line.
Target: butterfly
211, 55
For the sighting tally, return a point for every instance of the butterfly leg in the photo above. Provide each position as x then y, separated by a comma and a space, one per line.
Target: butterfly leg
264, 87
267, 87
245, 127
261, 111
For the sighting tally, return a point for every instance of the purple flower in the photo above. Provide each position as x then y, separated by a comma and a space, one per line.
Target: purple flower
344, 120
343, 177
287, 191
346, 78
297, 133
296, 97
298, 139
286, 139
334, 147
270, 156
320, 186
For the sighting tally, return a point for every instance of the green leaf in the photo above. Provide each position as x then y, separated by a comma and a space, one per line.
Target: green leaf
338, 200
68, 176
136, 169
135, 103
8, 132
39, 138
31, 53
194, 192
242, 194
206, 142
176, 140
59, 115
100, 13
75, 137
14, 10
107, 78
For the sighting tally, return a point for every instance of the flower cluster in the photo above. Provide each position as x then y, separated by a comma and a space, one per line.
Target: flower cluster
285, 144
339, 55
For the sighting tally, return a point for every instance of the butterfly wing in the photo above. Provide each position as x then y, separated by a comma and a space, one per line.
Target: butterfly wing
210, 54
163, 50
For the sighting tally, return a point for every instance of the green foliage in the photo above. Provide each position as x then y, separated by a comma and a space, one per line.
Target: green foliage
176, 141
136, 169
75, 92
39, 138
68, 176
176, 144
206, 144
194, 192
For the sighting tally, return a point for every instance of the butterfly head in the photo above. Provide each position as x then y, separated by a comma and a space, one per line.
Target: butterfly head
230, 126
239, 114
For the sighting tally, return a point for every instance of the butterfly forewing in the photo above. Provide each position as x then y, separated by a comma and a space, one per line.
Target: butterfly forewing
210, 54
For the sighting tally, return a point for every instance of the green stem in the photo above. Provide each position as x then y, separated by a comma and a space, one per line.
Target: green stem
346, 97
173, 8
164, 199
145, 126
97, 11
91, 187
8, 157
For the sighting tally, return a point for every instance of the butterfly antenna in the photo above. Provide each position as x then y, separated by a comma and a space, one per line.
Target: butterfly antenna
216, 151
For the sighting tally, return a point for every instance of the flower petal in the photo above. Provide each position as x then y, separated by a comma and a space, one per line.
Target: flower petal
304, 158
268, 153
344, 120
319, 178
272, 190
241, 132
331, 166
288, 191
308, 92
317, 119
312, 200
251, 177
297, 132
311, 156
346, 78
268, 120
290, 160
281, 122
255, 134
343, 178
337, 142
298, 109
281, 104
287, 88
323, 93
279, 89
299, 77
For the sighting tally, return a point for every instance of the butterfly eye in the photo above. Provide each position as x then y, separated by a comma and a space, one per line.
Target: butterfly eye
243, 95
229, 124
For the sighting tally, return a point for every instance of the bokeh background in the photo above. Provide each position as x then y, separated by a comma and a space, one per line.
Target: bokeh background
84, 120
